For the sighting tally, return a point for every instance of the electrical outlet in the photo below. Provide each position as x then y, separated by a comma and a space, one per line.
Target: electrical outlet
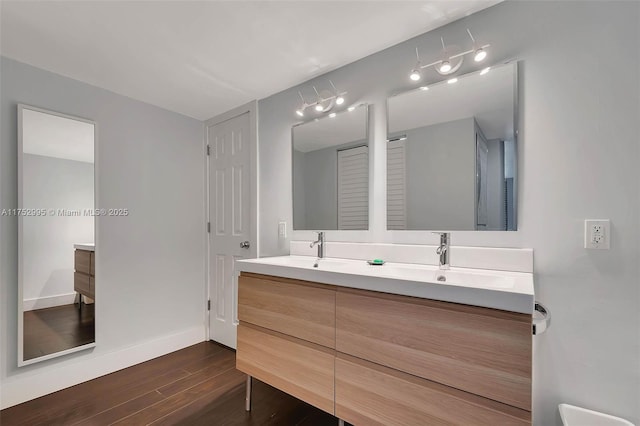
282, 229
597, 234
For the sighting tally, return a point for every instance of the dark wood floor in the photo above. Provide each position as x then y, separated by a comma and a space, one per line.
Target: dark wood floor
198, 385
56, 329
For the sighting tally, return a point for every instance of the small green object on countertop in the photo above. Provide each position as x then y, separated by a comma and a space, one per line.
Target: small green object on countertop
376, 262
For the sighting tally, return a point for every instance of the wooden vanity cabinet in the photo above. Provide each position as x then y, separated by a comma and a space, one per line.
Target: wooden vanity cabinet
371, 394
375, 358
297, 367
483, 351
286, 336
303, 310
84, 275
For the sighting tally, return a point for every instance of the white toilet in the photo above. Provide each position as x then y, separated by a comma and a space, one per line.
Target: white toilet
576, 416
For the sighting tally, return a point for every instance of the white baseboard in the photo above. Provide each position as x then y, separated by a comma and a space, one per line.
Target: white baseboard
48, 301
30, 385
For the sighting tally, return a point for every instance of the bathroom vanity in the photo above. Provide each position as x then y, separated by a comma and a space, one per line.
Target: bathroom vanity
416, 353
84, 279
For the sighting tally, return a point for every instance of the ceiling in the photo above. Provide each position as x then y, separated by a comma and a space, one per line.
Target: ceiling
331, 130
202, 58
54, 136
489, 98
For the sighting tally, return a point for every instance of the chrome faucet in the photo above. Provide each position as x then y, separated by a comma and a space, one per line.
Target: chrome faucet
443, 249
320, 243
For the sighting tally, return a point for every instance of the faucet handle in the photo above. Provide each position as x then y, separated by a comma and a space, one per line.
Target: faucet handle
319, 240
444, 237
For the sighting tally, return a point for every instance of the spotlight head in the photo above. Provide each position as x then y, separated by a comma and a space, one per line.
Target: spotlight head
484, 71
452, 80
479, 55
445, 67
300, 113
319, 108
339, 100
424, 88
333, 114
415, 74
351, 108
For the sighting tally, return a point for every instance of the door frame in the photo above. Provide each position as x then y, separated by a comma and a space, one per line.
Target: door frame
252, 109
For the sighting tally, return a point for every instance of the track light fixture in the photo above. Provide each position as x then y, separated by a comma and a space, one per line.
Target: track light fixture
339, 97
325, 100
300, 111
450, 62
478, 52
415, 74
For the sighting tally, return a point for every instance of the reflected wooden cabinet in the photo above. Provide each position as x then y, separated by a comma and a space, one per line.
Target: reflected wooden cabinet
84, 275
379, 359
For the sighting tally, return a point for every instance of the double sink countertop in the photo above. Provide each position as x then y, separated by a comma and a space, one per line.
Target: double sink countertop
508, 291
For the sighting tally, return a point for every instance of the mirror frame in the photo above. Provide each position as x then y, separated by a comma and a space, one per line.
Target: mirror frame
516, 134
21, 107
367, 111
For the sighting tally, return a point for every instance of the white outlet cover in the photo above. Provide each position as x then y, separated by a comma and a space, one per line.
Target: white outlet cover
597, 234
282, 229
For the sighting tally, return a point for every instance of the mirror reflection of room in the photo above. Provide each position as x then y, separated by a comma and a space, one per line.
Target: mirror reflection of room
451, 154
331, 172
57, 233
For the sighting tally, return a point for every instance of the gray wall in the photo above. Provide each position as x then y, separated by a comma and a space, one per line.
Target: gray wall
47, 243
441, 161
321, 189
578, 137
149, 265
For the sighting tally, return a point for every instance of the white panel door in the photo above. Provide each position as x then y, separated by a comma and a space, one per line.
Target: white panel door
230, 221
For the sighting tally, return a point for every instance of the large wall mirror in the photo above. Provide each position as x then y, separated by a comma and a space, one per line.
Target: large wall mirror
452, 154
56, 234
331, 172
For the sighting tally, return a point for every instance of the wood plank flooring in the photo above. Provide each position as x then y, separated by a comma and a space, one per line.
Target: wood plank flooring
56, 329
198, 385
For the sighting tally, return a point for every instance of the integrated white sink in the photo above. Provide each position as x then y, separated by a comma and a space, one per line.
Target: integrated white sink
511, 291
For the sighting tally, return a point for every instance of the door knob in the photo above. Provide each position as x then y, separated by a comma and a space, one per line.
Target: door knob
245, 245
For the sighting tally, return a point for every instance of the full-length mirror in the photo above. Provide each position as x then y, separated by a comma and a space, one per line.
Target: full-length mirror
331, 172
452, 154
56, 234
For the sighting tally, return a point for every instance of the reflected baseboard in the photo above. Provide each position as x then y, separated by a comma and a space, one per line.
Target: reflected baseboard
48, 301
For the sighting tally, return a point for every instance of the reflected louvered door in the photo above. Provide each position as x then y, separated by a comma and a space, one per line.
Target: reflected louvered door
353, 188
396, 185
229, 204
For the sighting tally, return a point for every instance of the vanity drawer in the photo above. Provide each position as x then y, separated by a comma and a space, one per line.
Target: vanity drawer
369, 394
483, 351
299, 368
92, 267
82, 283
83, 261
297, 308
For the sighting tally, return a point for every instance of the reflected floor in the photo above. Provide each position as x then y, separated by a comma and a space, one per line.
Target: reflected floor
56, 329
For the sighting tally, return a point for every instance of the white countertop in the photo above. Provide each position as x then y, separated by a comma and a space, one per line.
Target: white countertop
85, 246
509, 291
